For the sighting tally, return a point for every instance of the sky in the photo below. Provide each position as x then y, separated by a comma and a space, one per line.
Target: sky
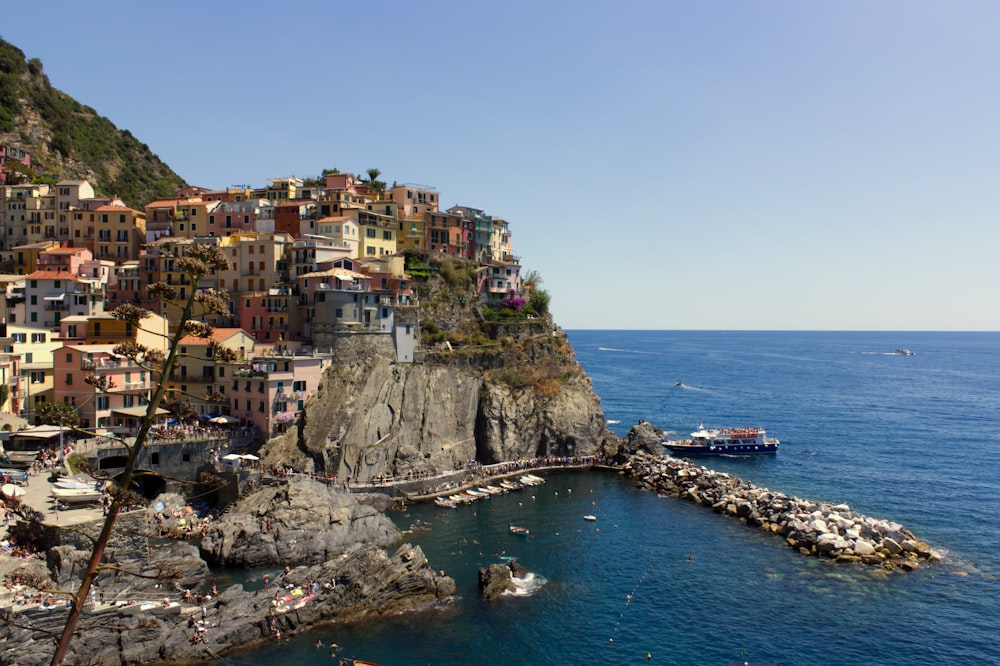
729, 165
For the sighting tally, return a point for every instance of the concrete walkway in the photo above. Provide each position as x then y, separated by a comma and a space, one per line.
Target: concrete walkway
37, 496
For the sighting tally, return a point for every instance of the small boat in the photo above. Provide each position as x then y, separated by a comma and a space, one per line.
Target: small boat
514, 529
531, 480
590, 517
20, 458
723, 442
511, 485
478, 494
445, 503
79, 484
903, 352
492, 490
76, 495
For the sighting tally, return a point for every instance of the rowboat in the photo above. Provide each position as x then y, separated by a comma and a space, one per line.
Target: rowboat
76, 495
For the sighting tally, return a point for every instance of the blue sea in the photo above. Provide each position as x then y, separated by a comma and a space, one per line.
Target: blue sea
914, 439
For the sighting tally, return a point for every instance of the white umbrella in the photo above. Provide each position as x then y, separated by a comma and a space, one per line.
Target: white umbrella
11, 491
223, 419
249, 456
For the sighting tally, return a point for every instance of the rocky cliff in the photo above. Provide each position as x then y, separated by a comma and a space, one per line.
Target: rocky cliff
376, 417
489, 384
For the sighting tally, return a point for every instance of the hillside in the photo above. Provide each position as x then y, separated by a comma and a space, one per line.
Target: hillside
68, 140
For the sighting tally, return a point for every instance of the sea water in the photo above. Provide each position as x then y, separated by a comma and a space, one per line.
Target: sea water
915, 439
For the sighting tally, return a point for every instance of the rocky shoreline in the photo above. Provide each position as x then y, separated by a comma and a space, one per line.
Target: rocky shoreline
330, 545
335, 570
819, 529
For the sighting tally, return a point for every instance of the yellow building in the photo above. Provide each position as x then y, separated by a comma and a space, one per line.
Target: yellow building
255, 258
29, 215
25, 257
119, 232
35, 347
411, 233
197, 374
378, 233
280, 189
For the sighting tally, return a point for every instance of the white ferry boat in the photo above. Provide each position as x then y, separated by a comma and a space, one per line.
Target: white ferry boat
723, 442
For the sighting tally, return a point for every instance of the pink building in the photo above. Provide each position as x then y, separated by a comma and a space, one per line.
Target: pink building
118, 410
272, 391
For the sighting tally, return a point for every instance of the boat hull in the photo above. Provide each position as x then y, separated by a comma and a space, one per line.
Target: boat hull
724, 450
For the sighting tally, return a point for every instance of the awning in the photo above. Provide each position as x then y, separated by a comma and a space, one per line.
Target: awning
54, 298
41, 432
138, 412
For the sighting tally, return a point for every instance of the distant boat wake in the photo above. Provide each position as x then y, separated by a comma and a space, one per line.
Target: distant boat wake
527, 586
628, 351
688, 387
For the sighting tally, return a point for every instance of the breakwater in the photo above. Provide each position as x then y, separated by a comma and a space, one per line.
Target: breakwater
814, 528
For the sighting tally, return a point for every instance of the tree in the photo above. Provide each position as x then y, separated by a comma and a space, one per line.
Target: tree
531, 280
57, 413
373, 182
200, 261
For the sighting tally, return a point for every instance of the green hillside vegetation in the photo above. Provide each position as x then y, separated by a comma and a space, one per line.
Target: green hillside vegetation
75, 141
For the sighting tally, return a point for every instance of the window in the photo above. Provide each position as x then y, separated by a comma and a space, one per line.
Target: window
102, 402
369, 233
69, 357
69, 379
37, 337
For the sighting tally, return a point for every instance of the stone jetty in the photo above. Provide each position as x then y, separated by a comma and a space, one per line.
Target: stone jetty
820, 529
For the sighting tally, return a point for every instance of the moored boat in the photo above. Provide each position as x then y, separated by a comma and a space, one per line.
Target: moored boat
515, 529
79, 484
531, 480
723, 442
76, 495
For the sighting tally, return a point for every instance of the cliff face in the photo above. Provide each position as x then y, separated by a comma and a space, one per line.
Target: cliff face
376, 417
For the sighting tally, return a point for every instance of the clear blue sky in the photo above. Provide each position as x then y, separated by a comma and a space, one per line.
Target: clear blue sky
663, 165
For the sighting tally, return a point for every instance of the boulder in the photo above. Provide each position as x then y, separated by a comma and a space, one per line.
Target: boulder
864, 548
300, 521
494, 581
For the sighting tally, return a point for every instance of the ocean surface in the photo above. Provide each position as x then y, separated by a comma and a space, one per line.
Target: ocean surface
915, 439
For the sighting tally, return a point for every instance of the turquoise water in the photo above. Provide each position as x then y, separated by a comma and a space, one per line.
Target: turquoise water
913, 439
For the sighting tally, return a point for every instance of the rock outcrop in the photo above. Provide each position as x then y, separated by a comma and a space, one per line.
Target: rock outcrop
363, 582
498, 579
813, 528
643, 436
377, 418
300, 521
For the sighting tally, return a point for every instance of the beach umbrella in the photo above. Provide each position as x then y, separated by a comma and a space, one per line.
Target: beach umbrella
10, 491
